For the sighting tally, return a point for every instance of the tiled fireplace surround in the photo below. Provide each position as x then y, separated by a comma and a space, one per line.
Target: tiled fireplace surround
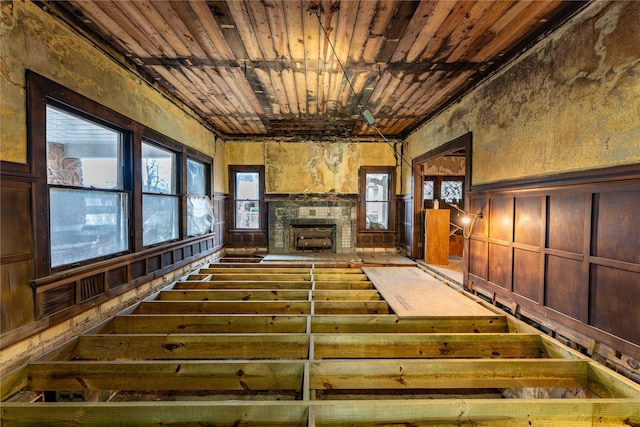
312, 211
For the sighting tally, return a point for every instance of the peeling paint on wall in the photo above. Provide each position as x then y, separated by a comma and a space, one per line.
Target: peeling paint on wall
311, 167
31, 39
571, 103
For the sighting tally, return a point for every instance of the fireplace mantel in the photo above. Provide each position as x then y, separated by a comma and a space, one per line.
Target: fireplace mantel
284, 213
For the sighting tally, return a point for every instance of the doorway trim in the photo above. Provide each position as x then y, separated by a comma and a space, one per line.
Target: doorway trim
463, 141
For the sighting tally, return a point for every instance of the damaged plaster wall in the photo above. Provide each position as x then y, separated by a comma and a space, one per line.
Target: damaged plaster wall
310, 167
571, 103
32, 39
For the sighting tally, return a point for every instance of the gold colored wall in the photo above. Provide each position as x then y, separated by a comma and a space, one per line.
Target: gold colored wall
572, 103
310, 167
32, 39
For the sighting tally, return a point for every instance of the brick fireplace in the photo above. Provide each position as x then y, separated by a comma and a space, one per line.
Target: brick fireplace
285, 216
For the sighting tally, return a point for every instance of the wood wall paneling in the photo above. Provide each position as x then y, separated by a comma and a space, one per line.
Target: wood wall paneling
500, 265
615, 297
565, 290
566, 218
566, 249
16, 253
528, 220
501, 218
616, 213
478, 259
528, 278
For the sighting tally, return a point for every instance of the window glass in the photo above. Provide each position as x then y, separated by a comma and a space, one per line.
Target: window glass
428, 189
196, 179
160, 206
88, 211
199, 209
451, 191
81, 153
377, 201
160, 219
158, 170
248, 200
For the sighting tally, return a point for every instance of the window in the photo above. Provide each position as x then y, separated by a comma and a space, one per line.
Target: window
246, 210
88, 206
160, 201
446, 189
199, 210
451, 191
376, 195
105, 185
247, 200
427, 189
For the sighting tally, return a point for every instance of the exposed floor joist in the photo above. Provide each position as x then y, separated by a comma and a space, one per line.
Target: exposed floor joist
311, 345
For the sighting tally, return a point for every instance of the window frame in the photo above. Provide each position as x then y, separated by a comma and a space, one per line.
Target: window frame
362, 197
42, 92
233, 171
176, 194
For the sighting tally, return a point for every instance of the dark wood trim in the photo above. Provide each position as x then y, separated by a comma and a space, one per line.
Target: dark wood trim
16, 172
605, 176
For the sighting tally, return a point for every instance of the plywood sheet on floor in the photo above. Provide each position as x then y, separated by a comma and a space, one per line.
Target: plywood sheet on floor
385, 258
412, 293
453, 271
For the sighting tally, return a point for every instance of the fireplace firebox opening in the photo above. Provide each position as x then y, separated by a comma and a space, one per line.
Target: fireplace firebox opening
312, 237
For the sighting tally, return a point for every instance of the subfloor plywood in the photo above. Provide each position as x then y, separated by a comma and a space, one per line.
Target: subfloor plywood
413, 293
385, 258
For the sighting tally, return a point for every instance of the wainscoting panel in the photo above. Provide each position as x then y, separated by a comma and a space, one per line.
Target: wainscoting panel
565, 250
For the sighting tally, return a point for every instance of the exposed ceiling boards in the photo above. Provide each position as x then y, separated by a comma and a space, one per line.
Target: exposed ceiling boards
307, 69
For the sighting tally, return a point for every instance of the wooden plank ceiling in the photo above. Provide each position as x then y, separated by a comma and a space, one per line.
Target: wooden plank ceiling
306, 69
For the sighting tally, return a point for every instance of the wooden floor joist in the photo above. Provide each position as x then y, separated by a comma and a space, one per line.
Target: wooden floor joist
250, 344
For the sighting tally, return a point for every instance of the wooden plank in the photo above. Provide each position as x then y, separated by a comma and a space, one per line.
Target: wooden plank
193, 346
411, 292
223, 307
229, 295
204, 324
165, 375
478, 412
159, 414
336, 285
446, 374
393, 324
261, 276
254, 270
421, 346
605, 383
351, 307
242, 284
348, 277
420, 412
13, 382
349, 295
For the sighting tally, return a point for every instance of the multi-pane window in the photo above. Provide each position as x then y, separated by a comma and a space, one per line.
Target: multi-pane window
160, 199
428, 189
247, 197
377, 200
199, 210
451, 191
88, 204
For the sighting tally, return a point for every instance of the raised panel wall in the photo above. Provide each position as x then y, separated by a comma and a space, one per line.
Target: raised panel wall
566, 250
